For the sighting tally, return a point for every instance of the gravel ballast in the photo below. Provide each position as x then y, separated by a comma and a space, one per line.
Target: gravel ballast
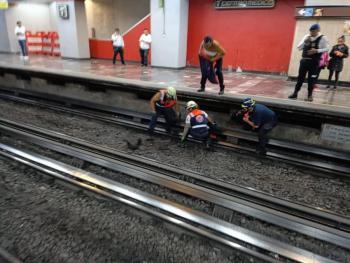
43, 222
279, 179
283, 235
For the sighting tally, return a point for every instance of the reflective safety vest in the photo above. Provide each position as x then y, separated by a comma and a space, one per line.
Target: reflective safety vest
165, 101
199, 124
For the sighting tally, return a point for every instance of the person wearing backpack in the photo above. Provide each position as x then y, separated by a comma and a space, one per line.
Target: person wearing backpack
312, 47
338, 53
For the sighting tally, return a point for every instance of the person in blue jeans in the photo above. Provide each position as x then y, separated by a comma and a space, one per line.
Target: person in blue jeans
20, 32
261, 119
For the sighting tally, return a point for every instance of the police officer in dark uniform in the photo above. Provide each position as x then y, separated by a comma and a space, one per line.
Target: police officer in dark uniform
312, 46
261, 119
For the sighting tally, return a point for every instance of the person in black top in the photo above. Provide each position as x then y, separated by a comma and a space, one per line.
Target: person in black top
312, 46
337, 54
261, 119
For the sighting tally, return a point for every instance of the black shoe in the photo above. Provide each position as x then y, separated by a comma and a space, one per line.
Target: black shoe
327, 87
335, 87
201, 90
293, 96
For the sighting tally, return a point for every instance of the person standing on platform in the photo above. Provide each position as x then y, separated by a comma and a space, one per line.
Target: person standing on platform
337, 54
261, 119
20, 32
118, 46
145, 45
211, 51
312, 46
164, 102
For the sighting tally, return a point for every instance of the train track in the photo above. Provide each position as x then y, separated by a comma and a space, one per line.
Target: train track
323, 160
225, 198
6, 257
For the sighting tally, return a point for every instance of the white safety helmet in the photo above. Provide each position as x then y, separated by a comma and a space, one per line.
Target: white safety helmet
171, 91
191, 105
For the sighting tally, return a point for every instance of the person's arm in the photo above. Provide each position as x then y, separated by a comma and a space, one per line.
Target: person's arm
210, 120
251, 123
323, 45
140, 39
346, 52
177, 108
185, 132
153, 101
123, 44
200, 49
301, 43
220, 52
332, 53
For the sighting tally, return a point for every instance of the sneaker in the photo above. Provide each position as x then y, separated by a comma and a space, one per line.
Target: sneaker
293, 96
221, 92
335, 87
327, 87
26, 58
201, 90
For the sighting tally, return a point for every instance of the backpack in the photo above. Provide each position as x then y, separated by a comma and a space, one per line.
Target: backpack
324, 60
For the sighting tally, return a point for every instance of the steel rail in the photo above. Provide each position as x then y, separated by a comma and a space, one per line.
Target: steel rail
203, 188
174, 213
6, 257
334, 169
129, 114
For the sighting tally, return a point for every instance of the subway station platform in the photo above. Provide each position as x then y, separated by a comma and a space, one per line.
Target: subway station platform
265, 88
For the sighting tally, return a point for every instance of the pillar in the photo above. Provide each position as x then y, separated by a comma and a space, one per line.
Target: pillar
73, 31
169, 26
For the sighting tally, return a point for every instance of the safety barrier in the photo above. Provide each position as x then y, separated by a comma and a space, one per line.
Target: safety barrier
43, 43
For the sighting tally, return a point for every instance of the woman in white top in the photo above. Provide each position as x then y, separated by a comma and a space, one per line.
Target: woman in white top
20, 32
145, 44
118, 46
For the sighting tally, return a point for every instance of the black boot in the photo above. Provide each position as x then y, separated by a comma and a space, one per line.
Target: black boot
202, 89
293, 96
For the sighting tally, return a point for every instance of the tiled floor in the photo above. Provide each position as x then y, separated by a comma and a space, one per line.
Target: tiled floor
236, 83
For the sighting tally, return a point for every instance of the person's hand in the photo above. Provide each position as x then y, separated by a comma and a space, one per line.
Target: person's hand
312, 51
246, 117
340, 54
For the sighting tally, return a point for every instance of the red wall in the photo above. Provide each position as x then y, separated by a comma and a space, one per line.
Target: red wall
103, 48
255, 39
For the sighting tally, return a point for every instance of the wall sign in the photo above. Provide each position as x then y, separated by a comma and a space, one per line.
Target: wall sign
63, 11
235, 4
4, 4
336, 133
322, 11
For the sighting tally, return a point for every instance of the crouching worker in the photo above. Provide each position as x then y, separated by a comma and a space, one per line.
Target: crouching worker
198, 124
261, 119
164, 103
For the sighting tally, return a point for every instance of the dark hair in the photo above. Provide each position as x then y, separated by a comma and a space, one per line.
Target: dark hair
117, 29
145, 29
342, 37
208, 39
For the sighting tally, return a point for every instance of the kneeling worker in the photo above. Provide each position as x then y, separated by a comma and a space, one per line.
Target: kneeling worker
197, 123
260, 118
164, 102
